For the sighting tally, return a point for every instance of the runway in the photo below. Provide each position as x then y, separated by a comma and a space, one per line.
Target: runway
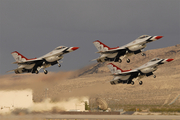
89, 117
116, 117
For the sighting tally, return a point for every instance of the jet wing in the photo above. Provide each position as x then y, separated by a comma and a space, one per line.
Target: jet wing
101, 57
10, 71
14, 70
126, 73
29, 61
116, 79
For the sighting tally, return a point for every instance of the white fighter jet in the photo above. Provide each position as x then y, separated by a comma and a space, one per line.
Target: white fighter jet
118, 53
35, 64
128, 76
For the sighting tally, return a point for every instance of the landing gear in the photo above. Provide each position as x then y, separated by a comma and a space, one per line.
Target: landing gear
143, 54
128, 60
36, 71
59, 65
119, 60
132, 82
154, 76
113, 83
140, 82
45, 71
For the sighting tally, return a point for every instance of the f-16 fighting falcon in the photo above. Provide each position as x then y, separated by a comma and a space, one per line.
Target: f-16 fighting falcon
118, 53
35, 64
127, 76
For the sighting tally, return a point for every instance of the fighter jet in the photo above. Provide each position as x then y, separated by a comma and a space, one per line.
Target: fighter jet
118, 53
35, 64
128, 76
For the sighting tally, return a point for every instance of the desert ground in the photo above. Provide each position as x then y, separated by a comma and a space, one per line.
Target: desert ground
90, 117
93, 81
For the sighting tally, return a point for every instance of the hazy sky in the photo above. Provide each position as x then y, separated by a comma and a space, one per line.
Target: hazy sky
35, 27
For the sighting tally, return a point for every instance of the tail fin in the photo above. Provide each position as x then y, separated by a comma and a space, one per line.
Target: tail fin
114, 69
18, 57
100, 46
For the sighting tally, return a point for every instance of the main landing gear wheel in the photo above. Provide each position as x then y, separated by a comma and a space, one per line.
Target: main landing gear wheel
59, 65
45, 71
154, 76
112, 83
119, 60
128, 60
132, 82
143, 54
140, 82
36, 71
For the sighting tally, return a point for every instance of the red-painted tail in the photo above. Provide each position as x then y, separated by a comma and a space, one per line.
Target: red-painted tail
19, 57
114, 69
100, 46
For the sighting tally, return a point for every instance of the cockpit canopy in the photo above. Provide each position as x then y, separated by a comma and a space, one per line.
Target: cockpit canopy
143, 36
59, 47
155, 59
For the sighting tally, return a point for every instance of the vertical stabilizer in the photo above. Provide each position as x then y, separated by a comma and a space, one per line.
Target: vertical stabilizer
114, 69
18, 57
100, 46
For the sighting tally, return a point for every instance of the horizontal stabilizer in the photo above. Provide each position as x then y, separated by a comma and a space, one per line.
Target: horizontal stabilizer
93, 60
10, 71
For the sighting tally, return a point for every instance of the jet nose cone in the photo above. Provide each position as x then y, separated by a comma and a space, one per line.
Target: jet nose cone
158, 37
169, 60
74, 48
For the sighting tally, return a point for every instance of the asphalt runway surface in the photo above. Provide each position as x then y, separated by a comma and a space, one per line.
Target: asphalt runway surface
89, 117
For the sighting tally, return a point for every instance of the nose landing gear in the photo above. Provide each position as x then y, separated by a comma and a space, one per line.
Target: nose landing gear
45, 71
154, 76
128, 60
140, 82
59, 65
143, 54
